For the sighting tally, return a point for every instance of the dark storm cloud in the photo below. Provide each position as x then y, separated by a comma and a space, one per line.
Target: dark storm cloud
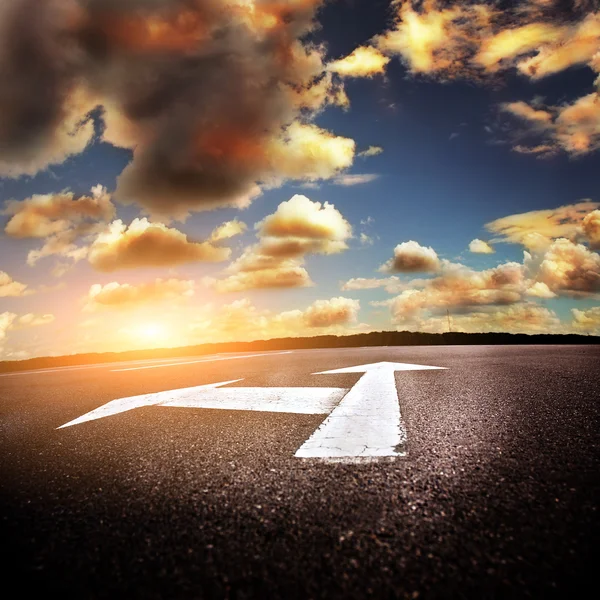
201, 90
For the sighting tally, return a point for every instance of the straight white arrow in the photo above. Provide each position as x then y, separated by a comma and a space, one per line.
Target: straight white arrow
367, 422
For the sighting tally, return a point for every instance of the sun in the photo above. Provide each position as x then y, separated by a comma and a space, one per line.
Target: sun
152, 332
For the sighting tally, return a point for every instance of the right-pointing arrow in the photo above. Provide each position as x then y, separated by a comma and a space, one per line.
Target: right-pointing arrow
366, 423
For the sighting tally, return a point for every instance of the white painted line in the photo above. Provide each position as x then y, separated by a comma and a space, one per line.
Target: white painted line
367, 422
306, 401
193, 362
91, 366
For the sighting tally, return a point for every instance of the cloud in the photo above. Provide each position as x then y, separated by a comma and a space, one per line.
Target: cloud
587, 321
411, 257
336, 311
591, 228
298, 227
524, 111
434, 39
10, 321
242, 320
366, 240
572, 128
459, 287
466, 39
300, 217
563, 47
478, 246
63, 220
371, 151
42, 216
365, 61
228, 230
288, 275
540, 290
6, 321
32, 320
536, 229
117, 295
11, 288
61, 130
214, 97
146, 244
355, 179
570, 268
520, 318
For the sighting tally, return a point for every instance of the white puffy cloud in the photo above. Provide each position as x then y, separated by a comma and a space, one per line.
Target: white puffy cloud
10, 287
478, 246
586, 321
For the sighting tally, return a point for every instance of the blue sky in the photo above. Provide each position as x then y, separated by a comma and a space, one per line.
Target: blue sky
467, 115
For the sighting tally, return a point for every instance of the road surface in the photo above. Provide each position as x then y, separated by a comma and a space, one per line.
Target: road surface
493, 494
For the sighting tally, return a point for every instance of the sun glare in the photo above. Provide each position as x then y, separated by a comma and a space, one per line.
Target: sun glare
152, 332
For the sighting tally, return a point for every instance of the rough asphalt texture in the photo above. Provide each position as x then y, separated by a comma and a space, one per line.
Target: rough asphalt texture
497, 497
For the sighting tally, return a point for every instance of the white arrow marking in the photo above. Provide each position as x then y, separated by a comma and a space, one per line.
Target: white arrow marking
308, 401
367, 422
364, 425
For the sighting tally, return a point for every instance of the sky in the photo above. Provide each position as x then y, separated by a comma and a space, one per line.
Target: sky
177, 172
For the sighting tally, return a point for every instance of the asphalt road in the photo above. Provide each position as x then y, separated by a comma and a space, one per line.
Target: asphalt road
496, 497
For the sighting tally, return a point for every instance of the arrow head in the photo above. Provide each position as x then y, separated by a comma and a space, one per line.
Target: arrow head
380, 366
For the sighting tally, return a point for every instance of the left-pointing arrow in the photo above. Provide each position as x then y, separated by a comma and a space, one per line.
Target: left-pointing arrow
308, 401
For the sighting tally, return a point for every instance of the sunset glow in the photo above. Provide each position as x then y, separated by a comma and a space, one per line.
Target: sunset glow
226, 171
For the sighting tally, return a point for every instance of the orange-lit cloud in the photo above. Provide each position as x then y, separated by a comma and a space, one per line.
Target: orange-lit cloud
241, 320
520, 318
591, 228
145, 244
470, 39
10, 287
42, 216
63, 220
435, 39
298, 227
526, 112
572, 128
536, 229
478, 246
118, 296
336, 311
459, 287
570, 268
228, 230
411, 257
364, 61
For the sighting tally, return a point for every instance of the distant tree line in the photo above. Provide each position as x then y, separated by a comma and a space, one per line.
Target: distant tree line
381, 338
